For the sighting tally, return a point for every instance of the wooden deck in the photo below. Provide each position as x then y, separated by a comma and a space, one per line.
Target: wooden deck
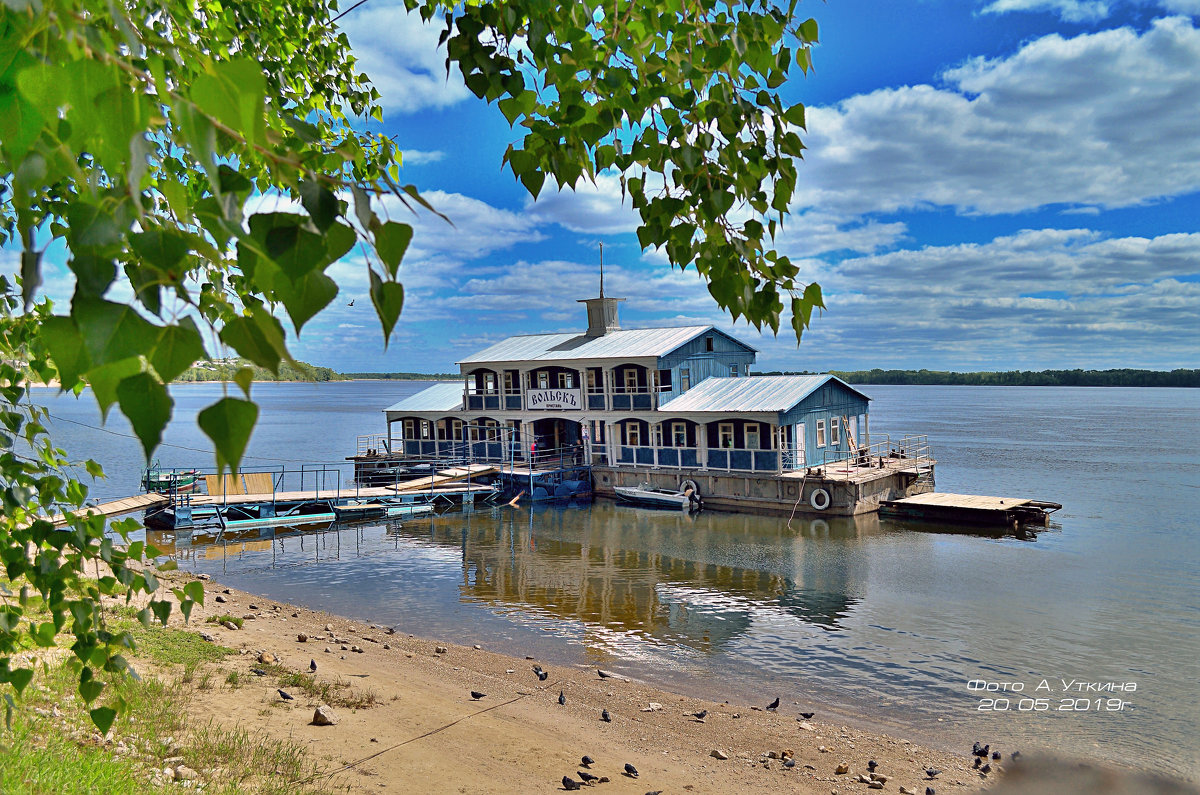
372, 492
445, 482
115, 508
971, 509
848, 472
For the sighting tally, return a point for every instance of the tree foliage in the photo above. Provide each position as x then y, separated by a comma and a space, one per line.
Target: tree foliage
135, 134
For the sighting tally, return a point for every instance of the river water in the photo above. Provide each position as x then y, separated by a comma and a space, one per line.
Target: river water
929, 633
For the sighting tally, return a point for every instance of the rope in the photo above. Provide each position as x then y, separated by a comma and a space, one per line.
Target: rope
798, 498
430, 733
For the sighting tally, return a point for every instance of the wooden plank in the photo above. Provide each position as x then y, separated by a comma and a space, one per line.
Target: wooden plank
443, 487
259, 482
445, 476
115, 507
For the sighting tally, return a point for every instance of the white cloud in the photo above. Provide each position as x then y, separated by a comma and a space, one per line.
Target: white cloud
1106, 119
400, 54
417, 157
1038, 298
597, 209
1068, 10
1191, 7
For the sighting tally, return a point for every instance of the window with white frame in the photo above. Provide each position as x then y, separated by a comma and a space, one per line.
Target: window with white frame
633, 434
508, 382
658, 434
752, 436
685, 379
456, 430
820, 433
591, 382
424, 429
725, 434
543, 379
631, 380
835, 429
679, 434
410, 430
489, 383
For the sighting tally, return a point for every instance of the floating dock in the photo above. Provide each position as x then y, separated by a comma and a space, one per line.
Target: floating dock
140, 502
972, 509
252, 499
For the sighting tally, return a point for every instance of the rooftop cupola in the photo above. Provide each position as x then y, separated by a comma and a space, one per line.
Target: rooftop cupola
602, 312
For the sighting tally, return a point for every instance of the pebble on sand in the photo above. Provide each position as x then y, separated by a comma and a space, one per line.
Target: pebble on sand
717, 753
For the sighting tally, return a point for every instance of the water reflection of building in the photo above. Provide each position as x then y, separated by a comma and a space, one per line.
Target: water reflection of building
652, 573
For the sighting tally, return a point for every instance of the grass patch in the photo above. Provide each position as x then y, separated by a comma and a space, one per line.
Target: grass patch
221, 619
53, 748
234, 680
170, 646
253, 762
34, 761
335, 694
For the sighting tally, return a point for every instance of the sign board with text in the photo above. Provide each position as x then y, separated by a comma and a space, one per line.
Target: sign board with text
557, 399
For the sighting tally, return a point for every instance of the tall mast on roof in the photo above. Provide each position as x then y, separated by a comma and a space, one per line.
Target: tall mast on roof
602, 312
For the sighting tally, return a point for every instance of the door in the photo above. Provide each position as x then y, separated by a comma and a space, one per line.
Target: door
801, 458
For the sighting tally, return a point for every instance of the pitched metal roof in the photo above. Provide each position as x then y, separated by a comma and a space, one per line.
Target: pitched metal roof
620, 344
763, 393
446, 396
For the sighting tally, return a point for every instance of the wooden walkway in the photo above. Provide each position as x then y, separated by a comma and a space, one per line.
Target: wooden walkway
971, 509
114, 508
445, 482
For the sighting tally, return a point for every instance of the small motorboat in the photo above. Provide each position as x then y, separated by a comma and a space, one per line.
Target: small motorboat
685, 498
169, 481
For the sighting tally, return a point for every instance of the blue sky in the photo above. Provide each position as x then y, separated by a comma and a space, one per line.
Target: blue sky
999, 184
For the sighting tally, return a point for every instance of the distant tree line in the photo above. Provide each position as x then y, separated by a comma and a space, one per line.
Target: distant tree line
1123, 377
225, 369
402, 376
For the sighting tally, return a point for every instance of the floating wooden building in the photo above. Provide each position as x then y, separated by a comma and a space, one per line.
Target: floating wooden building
658, 406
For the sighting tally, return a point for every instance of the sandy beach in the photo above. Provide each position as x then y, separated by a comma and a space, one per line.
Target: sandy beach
427, 733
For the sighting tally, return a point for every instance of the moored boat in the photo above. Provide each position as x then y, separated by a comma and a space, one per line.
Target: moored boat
169, 481
685, 498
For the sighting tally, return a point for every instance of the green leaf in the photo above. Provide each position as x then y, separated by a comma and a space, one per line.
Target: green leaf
258, 337
162, 248
20, 679
229, 422
306, 297
162, 610
177, 349
91, 228
145, 402
244, 377
105, 379
808, 30
233, 93
319, 201
391, 241
103, 718
194, 590
112, 331
388, 298
66, 347
812, 295
89, 688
